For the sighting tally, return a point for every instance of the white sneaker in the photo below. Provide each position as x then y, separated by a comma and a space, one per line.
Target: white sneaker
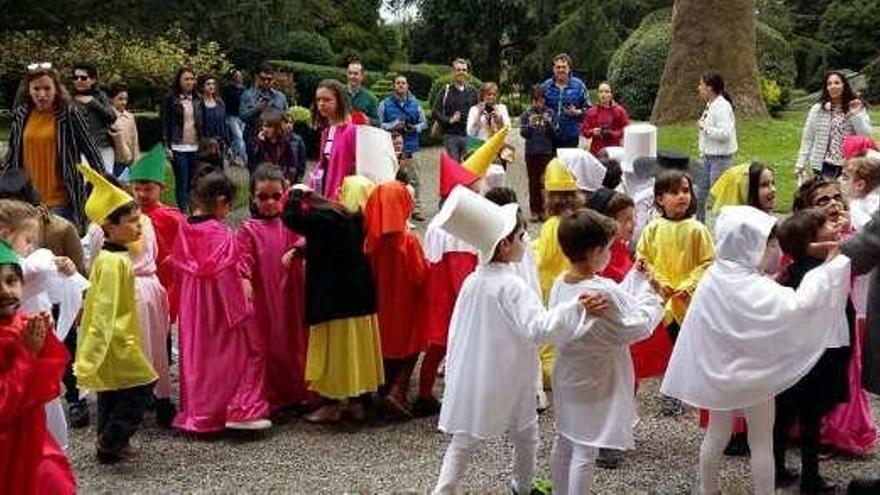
257, 424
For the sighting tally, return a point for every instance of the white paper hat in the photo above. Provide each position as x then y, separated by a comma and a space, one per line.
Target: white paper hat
495, 176
585, 167
375, 158
477, 221
638, 140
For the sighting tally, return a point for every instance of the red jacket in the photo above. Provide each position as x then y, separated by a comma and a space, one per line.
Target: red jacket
613, 118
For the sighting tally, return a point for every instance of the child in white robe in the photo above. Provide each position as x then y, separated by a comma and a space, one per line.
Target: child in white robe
496, 325
746, 338
593, 377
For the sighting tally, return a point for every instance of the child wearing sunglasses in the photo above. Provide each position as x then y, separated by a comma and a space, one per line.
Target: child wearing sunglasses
273, 270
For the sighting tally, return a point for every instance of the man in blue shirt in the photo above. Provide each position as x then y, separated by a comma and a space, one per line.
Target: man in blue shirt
401, 113
256, 100
567, 96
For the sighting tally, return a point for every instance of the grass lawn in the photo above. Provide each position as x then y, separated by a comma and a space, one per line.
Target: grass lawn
775, 142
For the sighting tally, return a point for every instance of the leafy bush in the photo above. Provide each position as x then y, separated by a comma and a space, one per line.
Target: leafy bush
850, 28
302, 46
383, 86
146, 64
440, 83
300, 115
516, 103
306, 77
637, 66
772, 94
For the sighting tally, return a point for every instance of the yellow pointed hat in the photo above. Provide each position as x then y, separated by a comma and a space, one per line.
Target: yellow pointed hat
732, 188
558, 178
479, 161
105, 197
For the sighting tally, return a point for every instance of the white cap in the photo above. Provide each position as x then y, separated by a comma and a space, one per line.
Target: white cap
495, 176
638, 140
375, 158
586, 168
477, 221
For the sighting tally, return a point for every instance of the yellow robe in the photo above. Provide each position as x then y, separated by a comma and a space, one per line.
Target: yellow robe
551, 264
678, 252
109, 352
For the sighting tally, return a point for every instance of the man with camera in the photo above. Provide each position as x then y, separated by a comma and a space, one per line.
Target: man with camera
567, 96
401, 113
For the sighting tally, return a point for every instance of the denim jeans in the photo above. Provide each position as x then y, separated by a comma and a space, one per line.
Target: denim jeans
455, 145
236, 126
713, 167
184, 164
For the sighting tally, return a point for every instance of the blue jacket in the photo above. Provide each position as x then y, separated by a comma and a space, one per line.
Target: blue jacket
575, 93
391, 112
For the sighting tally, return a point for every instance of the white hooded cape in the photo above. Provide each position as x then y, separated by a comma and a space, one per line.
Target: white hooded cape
746, 338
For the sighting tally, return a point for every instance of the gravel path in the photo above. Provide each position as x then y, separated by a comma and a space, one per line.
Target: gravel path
296, 457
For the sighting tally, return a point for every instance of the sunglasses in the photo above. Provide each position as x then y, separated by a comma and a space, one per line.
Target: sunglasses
267, 196
39, 66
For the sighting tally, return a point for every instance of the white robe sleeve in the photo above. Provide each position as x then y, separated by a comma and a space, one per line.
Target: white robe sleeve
532, 321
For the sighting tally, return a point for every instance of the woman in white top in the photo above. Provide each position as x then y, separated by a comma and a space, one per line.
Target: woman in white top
488, 116
717, 135
124, 131
839, 113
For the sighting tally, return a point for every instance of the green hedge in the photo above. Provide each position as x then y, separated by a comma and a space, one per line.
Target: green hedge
637, 66
440, 83
872, 72
304, 46
306, 77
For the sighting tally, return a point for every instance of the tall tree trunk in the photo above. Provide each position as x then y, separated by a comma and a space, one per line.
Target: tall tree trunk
710, 35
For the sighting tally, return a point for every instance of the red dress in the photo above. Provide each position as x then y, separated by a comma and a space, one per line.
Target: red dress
30, 460
399, 268
613, 118
650, 355
166, 223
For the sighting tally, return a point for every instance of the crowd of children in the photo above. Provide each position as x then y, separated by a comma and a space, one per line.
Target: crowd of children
325, 306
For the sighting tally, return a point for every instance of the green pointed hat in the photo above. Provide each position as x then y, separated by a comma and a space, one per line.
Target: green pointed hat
151, 166
7, 255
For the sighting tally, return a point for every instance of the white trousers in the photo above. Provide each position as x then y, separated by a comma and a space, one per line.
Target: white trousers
455, 462
759, 419
572, 465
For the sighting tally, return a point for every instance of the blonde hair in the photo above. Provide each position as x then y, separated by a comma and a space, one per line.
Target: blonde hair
18, 215
866, 169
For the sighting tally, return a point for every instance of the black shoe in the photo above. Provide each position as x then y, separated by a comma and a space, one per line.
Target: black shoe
165, 412
609, 458
863, 487
738, 446
417, 217
79, 414
786, 478
817, 486
424, 408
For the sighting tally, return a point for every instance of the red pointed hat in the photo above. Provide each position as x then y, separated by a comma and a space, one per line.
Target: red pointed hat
453, 174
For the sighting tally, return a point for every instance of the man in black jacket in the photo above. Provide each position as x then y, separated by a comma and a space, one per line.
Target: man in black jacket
451, 109
97, 107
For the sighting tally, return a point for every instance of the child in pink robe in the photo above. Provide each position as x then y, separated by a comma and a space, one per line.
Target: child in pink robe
220, 381
271, 265
152, 308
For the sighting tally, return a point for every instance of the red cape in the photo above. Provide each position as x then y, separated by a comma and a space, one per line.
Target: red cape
30, 460
166, 223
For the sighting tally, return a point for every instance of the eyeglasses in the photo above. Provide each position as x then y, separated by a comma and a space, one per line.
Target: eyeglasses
81, 78
822, 201
39, 66
267, 196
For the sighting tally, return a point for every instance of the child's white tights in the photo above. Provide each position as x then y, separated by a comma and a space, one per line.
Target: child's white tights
572, 466
525, 447
759, 419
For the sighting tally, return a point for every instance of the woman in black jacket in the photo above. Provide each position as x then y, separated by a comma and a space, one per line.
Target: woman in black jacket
48, 136
182, 127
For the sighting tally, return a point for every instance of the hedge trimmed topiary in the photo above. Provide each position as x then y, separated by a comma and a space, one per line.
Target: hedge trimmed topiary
306, 77
305, 46
636, 68
420, 76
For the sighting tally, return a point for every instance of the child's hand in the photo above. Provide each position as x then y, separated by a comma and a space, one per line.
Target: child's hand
35, 334
594, 304
65, 265
287, 259
248, 288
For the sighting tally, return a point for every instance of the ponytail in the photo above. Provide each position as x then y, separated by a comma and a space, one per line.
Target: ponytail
716, 82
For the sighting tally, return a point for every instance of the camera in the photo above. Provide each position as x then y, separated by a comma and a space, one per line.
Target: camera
490, 108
